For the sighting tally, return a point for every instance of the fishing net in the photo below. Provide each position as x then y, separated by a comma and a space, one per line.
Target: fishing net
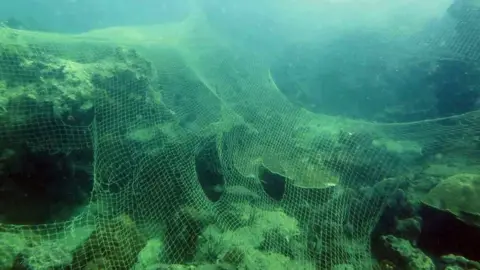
198, 156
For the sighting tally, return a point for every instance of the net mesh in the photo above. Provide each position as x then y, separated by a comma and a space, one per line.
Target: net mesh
165, 109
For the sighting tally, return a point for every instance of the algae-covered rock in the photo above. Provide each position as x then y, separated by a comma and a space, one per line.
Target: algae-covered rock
47, 95
269, 241
59, 87
274, 261
113, 245
23, 248
458, 262
151, 255
343, 267
457, 195
10, 246
43, 85
403, 254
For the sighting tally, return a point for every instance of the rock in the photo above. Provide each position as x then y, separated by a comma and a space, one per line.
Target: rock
453, 268
50, 84
175, 267
443, 233
457, 195
458, 262
182, 234
151, 255
21, 263
21, 249
47, 99
404, 255
115, 244
409, 228
11, 244
343, 267
267, 241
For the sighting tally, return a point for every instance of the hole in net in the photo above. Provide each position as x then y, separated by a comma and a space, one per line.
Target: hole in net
273, 184
209, 171
38, 187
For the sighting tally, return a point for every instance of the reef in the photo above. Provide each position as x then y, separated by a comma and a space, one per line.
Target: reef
106, 164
